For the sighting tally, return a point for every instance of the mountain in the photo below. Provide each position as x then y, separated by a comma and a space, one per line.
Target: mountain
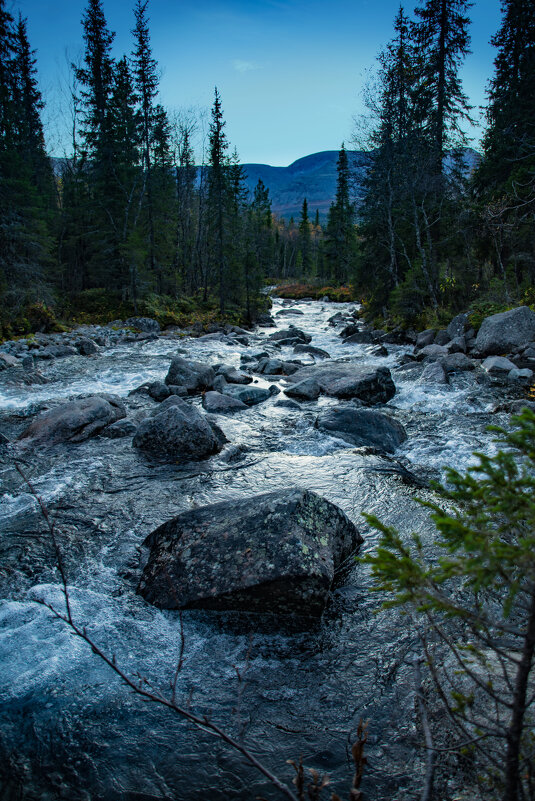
314, 177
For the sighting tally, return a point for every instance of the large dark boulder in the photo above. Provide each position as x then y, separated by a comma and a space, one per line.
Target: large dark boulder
349, 380
218, 403
246, 394
75, 421
312, 351
290, 333
500, 333
277, 552
362, 427
195, 376
177, 431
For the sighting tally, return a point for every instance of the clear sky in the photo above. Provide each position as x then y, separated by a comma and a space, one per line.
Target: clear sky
290, 72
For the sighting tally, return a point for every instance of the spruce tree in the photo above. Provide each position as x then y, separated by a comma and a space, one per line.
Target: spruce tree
340, 238
305, 243
218, 196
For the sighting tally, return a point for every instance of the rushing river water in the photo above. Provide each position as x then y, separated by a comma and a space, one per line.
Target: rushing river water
71, 730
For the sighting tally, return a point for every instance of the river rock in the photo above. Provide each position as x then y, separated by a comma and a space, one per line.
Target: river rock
195, 376
434, 373
309, 389
246, 394
432, 351
457, 362
500, 333
498, 365
442, 337
159, 391
218, 403
234, 376
458, 326
86, 347
122, 428
74, 421
425, 338
275, 553
359, 338
56, 352
265, 320
288, 312
457, 345
177, 430
286, 403
312, 351
7, 360
520, 376
362, 427
349, 380
145, 324
290, 333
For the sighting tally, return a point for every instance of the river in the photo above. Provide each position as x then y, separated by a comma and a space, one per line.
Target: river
70, 729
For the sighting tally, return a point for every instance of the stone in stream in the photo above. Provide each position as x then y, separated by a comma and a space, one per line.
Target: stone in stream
458, 326
434, 373
86, 346
312, 351
500, 333
7, 360
218, 403
456, 363
246, 394
275, 553
290, 333
75, 421
309, 389
359, 338
349, 380
424, 338
234, 376
177, 431
122, 428
498, 365
158, 391
362, 427
195, 376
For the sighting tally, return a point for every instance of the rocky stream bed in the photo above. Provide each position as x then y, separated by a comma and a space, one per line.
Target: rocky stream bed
366, 423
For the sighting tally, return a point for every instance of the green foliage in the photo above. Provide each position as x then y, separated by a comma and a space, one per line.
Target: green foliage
478, 594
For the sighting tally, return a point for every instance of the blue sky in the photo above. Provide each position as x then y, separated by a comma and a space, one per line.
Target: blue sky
290, 72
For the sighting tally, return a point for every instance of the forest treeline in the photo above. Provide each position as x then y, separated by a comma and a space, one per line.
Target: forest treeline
135, 221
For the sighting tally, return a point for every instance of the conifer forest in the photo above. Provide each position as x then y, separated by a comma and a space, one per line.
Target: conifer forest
267, 433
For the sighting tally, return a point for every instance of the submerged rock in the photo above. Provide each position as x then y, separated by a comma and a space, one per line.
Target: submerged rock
362, 427
248, 395
277, 552
75, 421
500, 333
177, 431
290, 333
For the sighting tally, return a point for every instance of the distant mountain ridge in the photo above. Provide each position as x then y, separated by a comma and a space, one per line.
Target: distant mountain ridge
313, 177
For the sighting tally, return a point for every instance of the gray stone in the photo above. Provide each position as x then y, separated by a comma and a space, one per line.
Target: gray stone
424, 338
120, 429
247, 394
498, 365
350, 380
288, 312
159, 391
434, 373
177, 431
524, 376
431, 352
74, 421
442, 337
457, 362
362, 427
265, 320
457, 345
275, 553
290, 333
86, 347
458, 326
286, 403
195, 376
312, 351
56, 352
349, 330
145, 324
217, 403
359, 338
7, 360
309, 389
234, 376
502, 332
